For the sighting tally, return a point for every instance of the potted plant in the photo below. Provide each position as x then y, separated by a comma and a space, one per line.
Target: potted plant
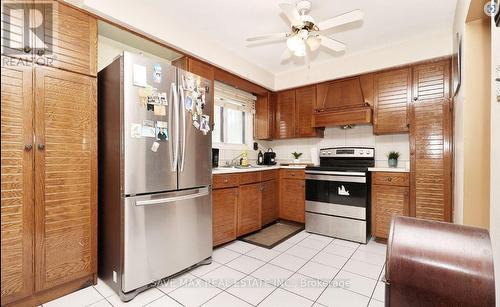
393, 158
296, 156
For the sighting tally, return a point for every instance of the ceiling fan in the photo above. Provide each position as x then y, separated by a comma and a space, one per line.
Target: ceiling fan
305, 33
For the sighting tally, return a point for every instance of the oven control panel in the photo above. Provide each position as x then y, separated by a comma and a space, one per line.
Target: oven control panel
347, 152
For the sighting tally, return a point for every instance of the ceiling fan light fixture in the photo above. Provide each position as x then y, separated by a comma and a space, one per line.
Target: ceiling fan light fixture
294, 42
300, 51
313, 42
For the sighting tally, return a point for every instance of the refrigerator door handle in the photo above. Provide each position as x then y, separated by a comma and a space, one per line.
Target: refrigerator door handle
175, 116
201, 192
181, 94
171, 148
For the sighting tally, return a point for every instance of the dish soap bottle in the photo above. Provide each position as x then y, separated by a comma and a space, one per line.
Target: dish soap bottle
260, 158
244, 159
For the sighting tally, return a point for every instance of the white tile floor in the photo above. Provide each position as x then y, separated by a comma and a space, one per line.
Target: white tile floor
305, 270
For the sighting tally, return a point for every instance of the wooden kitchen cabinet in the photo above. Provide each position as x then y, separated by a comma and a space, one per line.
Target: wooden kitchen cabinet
388, 201
17, 183
285, 115
249, 208
224, 215
49, 183
392, 99
292, 195
269, 201
305, 99
264, 117
70, 39
431, 143
294, 109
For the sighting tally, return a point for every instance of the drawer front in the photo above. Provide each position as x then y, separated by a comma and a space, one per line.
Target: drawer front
269, 175
249, 177
293, 174
225, 181
388, 178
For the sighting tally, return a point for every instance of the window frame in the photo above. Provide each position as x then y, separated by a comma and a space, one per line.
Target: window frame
247, 131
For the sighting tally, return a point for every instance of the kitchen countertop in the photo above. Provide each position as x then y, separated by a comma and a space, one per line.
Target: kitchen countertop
389, 169
228, 170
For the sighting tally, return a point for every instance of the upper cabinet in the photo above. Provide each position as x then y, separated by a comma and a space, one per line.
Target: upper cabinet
285, 115
431, 81
264, 117
66, 38
294, 113
392, 98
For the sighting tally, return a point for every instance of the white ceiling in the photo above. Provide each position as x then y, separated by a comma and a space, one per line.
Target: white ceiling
229, 22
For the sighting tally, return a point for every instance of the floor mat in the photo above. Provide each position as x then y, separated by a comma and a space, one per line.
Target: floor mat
273, 234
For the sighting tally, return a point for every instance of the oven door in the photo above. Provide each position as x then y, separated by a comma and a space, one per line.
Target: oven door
342, 194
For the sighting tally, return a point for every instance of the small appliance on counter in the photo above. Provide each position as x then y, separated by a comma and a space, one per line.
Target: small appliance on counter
215, 157
270, 157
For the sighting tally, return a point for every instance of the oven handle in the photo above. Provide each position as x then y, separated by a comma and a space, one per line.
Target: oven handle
336, 173
336, 178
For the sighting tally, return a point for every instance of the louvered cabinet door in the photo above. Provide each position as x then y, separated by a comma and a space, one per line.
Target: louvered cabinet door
387, 202
65, 177
392, 98
430, 146
17, 183
224, 215
285, 115
70, 38
16, 41
431, 81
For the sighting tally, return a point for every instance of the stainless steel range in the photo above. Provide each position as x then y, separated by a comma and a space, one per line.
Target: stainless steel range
338, 193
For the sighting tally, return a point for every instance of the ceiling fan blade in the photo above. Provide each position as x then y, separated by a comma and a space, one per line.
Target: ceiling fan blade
269, 36
341, 19
335, 45
291, 13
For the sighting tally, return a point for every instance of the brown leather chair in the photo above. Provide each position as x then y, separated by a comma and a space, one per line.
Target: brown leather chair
438, 264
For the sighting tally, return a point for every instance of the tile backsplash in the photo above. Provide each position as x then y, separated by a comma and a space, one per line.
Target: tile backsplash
334, 137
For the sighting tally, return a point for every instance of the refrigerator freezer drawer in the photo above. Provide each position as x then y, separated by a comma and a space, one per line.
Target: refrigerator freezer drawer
338, 227
165, 234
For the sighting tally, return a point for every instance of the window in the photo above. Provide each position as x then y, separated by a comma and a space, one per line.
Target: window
233, 117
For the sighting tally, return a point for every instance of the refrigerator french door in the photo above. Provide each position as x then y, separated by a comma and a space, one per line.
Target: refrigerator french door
155, 215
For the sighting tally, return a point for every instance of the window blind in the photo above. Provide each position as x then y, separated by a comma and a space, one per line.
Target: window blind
230, 97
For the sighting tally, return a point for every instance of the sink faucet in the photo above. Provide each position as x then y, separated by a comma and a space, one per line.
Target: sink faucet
233, 161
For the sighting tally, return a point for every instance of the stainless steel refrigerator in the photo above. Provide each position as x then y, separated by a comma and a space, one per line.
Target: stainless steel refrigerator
155, 216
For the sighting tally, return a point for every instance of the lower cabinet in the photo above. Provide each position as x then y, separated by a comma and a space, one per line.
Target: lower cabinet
224, 214
249, 208
292, 195
269, 201
390, 197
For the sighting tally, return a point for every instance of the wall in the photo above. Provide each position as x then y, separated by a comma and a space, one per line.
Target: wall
334, 137
472, 118
476, 119
413, 49
495, 159
109, 49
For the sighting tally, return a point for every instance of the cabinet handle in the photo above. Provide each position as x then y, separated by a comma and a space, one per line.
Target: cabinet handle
389, 179
27, 49
28, 147
292, 174
41, 146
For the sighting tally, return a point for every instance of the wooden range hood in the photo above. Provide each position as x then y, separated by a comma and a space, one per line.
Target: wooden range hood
344, 102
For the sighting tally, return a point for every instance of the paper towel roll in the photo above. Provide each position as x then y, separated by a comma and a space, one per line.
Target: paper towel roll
314, 156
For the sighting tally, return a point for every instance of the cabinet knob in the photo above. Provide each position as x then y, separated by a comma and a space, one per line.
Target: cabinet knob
41, 52
415, 98
292, 174
28, 147
389, 179
226, 180
41, 146
27, 49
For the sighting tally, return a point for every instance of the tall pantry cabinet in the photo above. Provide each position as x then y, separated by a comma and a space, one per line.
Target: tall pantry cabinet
49, 160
